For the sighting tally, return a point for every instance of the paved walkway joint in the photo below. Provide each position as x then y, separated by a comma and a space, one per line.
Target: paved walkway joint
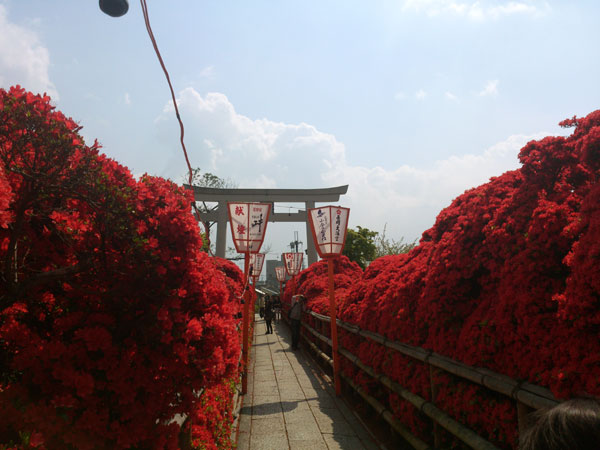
288, 406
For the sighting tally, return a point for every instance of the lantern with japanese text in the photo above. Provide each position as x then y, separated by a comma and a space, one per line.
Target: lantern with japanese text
248, 225
329, 225
293, 263
256, 263
280, 272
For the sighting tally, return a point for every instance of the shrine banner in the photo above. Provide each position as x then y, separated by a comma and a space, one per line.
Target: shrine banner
248, 225
329, 225
293, 263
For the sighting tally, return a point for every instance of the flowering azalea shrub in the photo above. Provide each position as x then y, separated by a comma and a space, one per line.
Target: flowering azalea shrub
213, 418
507, 278
312, 283
111, 318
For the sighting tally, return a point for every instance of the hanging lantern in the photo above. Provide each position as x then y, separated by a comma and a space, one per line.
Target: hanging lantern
329, 225
293, 263
114, 8
280, 272
256, 263
248, 225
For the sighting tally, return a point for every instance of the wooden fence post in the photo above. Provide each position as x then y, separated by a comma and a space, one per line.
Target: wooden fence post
437, 438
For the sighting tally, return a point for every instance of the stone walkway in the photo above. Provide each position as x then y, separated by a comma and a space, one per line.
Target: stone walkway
289, 406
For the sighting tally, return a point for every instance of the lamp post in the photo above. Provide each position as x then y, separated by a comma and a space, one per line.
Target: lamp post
248, 225
329, 225
293, 263
280, 272
256, 262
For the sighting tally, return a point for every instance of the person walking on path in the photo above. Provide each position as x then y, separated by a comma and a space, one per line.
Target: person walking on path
295, 315
269, 316
277, 308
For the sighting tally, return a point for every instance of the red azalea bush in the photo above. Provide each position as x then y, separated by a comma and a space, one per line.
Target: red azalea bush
111, 318
507, 278
213, 417
312, 283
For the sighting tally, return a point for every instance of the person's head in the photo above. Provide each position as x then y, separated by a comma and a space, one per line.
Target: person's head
570, 425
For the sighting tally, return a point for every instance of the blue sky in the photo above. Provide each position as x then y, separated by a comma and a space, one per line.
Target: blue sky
408, 102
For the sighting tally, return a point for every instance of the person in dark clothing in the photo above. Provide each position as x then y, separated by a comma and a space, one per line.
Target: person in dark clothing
269, 316
570, 425
277, 308
295, 315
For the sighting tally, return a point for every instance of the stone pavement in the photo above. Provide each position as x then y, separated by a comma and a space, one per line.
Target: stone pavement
289, 406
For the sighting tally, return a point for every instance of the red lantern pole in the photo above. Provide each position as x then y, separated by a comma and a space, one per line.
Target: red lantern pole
293, 264
329, 226
334, 339
254, 298
248, 225
245, 325
280, 272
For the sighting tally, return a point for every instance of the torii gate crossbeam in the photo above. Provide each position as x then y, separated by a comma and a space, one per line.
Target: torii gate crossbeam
307, 196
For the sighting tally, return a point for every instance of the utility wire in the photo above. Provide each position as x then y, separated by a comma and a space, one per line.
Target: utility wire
182, 131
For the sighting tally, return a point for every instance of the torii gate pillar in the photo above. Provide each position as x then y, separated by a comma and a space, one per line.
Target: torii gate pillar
307, 196
221, 246
311, 250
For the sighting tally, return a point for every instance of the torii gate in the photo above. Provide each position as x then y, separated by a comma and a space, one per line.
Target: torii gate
307, 196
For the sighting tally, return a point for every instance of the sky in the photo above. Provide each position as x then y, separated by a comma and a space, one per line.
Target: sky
409, 102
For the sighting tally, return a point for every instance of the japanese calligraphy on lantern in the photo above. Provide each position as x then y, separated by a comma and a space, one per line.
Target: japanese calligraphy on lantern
280, 272
329, 224
293, 263
256, 262
248, 225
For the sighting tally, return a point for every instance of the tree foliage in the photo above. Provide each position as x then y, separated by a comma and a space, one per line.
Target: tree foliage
210, 180
360, 246
386, 246
207, 179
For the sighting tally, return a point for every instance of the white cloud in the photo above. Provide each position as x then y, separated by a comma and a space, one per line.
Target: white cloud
490, 89
23, 58
420, 94
267, 154
400, 96
408, 198
232, 145
477, 10
450, 96
127, 98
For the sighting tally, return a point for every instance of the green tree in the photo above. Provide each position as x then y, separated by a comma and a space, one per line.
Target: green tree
387, 246
360, 246
207, 179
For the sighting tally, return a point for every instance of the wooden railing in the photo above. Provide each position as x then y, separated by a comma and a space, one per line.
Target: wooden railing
528, 397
